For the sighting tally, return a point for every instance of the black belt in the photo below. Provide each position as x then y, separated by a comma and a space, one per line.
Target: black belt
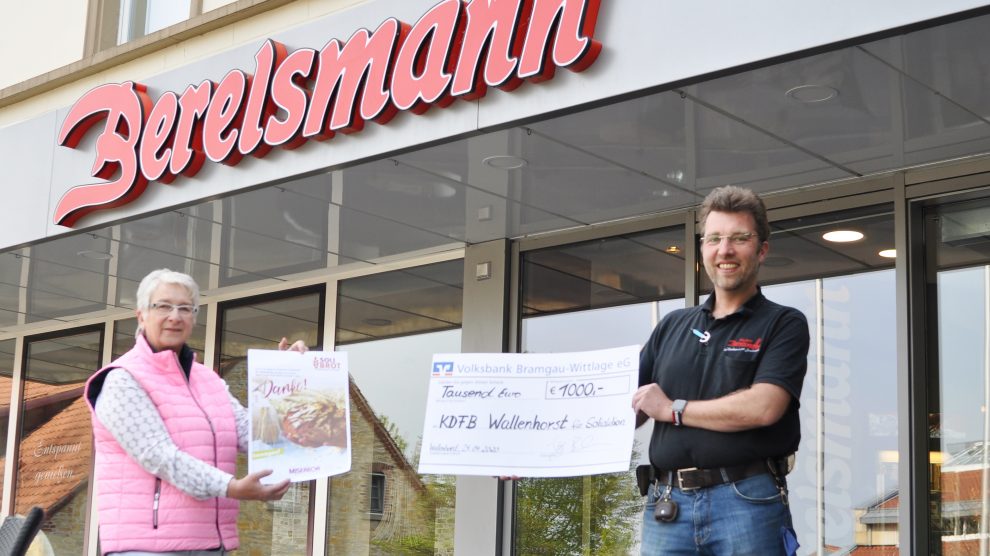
693, 478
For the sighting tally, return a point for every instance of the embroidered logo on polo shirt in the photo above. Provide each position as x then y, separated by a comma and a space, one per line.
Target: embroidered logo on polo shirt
744, 344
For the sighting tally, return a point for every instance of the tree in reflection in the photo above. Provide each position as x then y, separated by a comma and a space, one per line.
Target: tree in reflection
595, 514
394, 434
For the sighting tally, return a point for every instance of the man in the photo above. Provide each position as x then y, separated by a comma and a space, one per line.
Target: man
722, 383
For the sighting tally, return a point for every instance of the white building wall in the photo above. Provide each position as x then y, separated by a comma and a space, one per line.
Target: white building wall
39, 36
214, 4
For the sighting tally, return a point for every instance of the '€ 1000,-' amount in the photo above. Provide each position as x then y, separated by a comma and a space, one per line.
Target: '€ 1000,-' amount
598, 387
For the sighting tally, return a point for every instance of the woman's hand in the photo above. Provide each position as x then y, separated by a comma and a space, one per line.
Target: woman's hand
249, 487
298, 345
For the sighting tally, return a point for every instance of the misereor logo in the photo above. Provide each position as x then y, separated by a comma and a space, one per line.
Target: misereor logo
455, 51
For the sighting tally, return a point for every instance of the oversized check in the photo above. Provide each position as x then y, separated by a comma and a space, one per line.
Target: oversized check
530, 415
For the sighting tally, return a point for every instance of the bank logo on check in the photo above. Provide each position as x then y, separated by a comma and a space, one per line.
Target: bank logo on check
444, 368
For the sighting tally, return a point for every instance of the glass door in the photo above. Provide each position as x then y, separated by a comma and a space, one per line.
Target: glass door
957, 240
593, 295
390, 325
54, 455
279, 527
610, 292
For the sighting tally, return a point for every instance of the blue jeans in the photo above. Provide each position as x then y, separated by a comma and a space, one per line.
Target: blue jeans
740, 519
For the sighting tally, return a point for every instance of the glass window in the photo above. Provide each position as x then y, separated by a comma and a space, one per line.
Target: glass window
6, 382
596, 514
178, 240
377, 495
10, 290
279, 527
959, 380
143, 17
593, 295
400, 303
68, 276
275, 231
56, 434
604, 272
843, 488
389, 365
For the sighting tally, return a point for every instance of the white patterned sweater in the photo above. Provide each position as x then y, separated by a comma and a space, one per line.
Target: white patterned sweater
126, 410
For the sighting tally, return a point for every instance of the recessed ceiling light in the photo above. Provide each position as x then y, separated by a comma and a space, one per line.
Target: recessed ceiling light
811, 94
888, 253
842, 236
377, 322
505, 162
673, 249
95, 255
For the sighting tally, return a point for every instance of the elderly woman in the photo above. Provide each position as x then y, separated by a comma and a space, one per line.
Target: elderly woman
167, 432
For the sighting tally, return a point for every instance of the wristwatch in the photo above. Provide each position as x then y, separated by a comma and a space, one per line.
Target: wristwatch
678, 413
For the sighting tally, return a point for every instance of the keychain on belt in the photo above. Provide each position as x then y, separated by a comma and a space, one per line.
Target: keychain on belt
666, 509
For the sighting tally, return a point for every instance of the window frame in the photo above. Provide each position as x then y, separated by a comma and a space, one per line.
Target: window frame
103, 25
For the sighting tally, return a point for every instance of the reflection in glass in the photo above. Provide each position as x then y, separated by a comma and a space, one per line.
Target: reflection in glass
590, 296
10, 279
848, 415
279, 527
177, 240
68, 276
391, 304
844, 484
935, 124
959, 388
604, 272
598, 514
56, 434
414, 209
383, 506
275, 231
6, 374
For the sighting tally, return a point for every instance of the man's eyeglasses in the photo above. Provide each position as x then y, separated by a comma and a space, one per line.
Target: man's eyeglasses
740, 238
165, 309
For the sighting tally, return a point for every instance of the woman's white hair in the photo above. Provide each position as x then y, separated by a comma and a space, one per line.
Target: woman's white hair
161, 276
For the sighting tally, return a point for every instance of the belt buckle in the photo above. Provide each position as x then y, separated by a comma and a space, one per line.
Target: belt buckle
680, 479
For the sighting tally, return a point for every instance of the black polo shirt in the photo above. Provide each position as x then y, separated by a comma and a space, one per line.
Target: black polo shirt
761, 342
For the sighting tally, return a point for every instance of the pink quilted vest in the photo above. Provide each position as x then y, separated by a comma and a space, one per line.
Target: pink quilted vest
138, 511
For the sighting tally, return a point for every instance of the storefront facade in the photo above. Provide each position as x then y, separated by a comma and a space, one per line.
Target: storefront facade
401, 178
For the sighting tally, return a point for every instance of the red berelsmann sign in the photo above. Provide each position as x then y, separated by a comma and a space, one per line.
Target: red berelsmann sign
455, 51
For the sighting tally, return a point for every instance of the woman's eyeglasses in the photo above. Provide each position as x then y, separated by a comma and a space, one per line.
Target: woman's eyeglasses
165, 309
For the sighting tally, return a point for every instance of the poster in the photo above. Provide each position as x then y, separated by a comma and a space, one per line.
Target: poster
299, 405
530, 415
